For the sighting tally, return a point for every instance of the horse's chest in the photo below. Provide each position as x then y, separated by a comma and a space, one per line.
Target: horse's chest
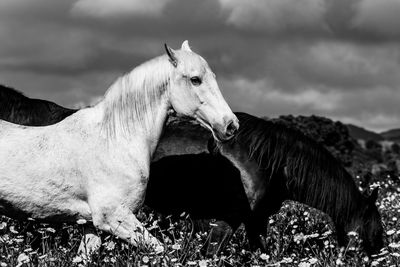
121, 182
249, 176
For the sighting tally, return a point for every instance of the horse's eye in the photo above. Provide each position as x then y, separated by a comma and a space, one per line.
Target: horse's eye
195, 80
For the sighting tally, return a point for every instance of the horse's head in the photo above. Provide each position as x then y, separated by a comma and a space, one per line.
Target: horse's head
194, 92
372, 229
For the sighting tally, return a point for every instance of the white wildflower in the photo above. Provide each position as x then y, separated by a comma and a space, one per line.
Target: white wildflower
394, 245
390, 232
81, 221
339, 262
315, 235
264, 256
313, 261
110, 245
352, 233
12, 230
51, 230
203, 263
327, 233
286, 260
42, 257
22, 258
176, 246
159, 249
77, 259
3, 226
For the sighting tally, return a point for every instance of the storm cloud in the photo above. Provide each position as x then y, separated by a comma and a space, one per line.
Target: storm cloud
335, 58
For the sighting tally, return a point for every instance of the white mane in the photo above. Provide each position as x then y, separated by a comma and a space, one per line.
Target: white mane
133, 97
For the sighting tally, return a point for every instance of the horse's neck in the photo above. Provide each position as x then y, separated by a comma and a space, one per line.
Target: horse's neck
181, 139
152, 132
135, 107
341, 202
143, 137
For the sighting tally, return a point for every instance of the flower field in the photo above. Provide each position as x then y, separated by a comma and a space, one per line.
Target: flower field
297, 236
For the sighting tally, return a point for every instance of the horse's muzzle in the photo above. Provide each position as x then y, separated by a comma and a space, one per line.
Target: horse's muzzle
229, 131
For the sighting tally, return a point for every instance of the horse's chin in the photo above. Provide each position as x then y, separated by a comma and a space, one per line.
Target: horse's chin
206, 125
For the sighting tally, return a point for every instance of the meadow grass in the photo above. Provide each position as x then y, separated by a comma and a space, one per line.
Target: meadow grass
297, 236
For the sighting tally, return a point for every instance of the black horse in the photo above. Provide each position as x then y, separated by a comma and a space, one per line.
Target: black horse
17, 108
204, 186
273, 163
291, 166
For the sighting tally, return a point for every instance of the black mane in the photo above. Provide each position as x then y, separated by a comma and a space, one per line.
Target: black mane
17, 108
313, 176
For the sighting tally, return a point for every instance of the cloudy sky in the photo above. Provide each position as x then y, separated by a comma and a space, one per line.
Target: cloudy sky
335, 58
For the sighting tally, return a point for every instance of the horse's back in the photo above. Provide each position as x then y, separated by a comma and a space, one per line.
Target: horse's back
38, 174
182, 137
17, 108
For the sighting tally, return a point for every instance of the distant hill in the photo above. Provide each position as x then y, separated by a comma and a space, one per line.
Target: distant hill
392, 135
334, 135
360, 133
376, 153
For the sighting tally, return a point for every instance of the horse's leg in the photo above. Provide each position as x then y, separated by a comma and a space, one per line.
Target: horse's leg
90, 242
256, 225
341, 235
220, 235
254, 231
121, 222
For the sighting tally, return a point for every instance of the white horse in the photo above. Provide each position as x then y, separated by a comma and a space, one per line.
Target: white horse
94, 165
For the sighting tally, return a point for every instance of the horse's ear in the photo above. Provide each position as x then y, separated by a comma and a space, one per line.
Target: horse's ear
374, 195
171, 55
185, 46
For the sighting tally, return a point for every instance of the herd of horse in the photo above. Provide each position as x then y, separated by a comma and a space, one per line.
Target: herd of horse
102, 162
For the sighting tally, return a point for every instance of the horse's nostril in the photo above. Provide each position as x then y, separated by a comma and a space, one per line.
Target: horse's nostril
231, 129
